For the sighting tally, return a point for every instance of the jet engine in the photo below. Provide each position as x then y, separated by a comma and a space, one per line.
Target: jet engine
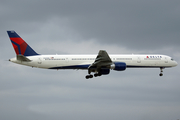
118, 66
104, 71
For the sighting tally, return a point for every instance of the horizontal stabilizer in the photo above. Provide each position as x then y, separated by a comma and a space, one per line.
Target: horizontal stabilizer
23, 58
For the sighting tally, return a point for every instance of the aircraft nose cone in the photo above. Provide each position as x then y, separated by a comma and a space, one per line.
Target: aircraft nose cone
176, 63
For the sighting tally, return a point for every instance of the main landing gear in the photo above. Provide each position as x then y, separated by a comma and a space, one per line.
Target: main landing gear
161, 72
91, 76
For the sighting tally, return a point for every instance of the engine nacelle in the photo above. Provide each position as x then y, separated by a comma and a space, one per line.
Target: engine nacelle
104, 71
119, 66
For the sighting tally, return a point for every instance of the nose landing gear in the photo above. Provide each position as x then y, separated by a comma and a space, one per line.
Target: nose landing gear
161, 72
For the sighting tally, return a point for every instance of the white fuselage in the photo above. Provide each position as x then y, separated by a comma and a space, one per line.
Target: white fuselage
84, 61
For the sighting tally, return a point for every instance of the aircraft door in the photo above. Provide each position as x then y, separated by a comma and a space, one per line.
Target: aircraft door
166, 60
138, 59
39, 61
67, 60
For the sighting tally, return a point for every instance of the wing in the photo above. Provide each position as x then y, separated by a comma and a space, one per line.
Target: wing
102, 61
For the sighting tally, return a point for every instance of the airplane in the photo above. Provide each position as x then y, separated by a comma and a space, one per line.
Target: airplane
99, 64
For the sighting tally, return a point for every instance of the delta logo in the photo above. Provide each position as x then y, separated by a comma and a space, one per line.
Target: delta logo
153, 56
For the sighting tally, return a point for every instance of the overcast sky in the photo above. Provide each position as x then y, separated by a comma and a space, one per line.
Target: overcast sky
85, 27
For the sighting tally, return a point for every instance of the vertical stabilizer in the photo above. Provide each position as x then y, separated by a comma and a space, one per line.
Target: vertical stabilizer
20, 46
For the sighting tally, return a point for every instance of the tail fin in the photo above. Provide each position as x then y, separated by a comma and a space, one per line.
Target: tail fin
20, 46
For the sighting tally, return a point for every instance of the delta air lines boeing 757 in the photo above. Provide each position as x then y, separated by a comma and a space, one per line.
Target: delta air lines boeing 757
99, 64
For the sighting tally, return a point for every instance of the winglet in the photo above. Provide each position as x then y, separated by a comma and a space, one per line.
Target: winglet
20, 46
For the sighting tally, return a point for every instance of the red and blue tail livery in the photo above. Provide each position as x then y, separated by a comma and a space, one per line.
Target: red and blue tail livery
20, 46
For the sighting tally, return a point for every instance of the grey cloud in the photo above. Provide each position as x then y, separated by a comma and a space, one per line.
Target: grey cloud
80, 27
135, 24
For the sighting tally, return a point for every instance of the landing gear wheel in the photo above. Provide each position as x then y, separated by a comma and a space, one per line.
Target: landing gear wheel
161, 71
89, 76
160, 74
97, 74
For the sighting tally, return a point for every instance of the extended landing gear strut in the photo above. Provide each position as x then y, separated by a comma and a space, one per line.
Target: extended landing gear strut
161, 71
